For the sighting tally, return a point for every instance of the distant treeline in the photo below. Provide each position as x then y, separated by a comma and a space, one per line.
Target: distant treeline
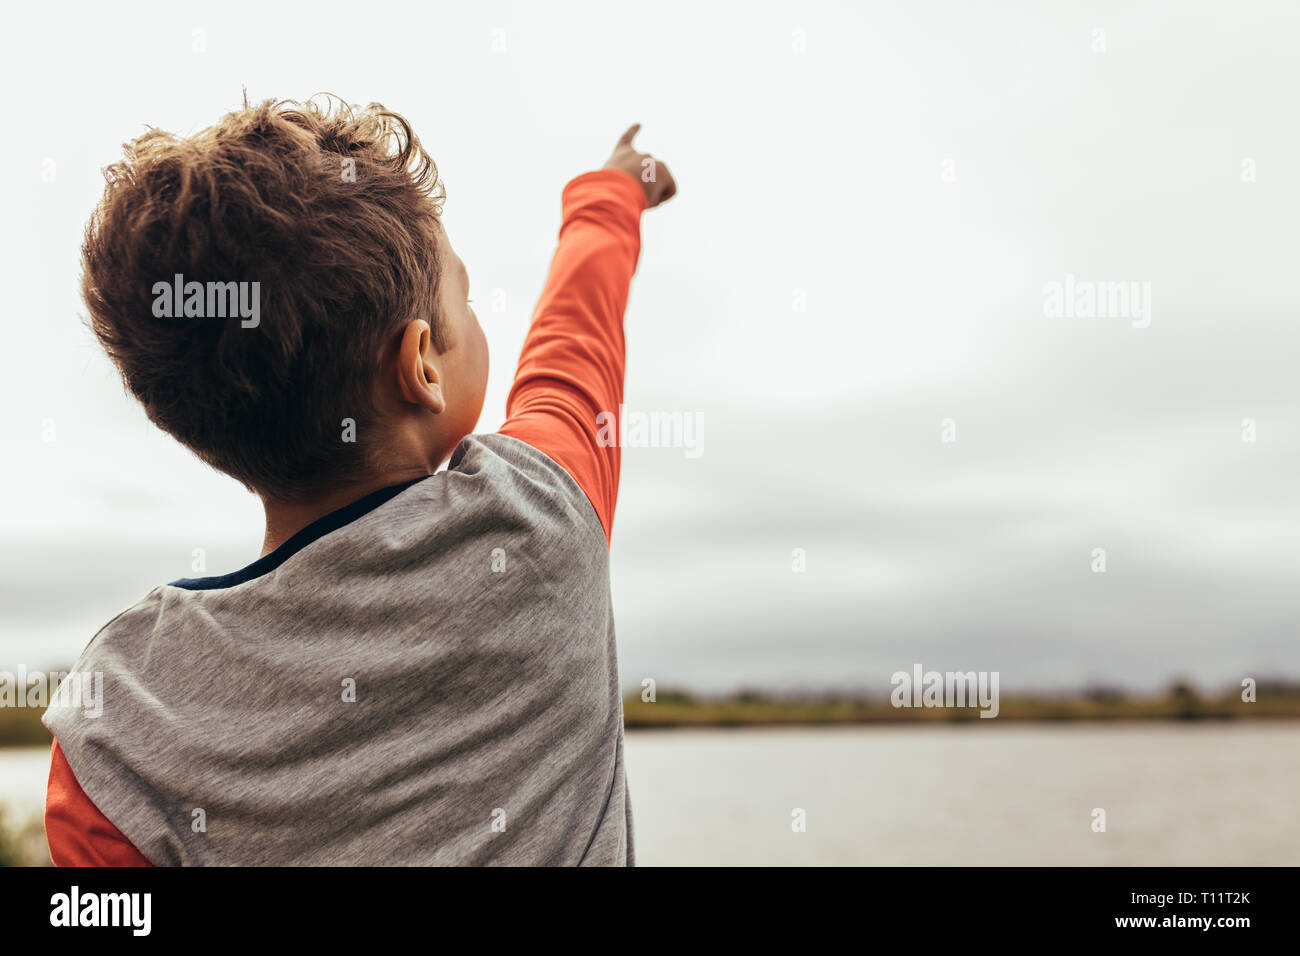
1180, 701
21, 726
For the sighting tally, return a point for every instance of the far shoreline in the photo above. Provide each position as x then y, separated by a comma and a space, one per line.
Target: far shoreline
1180, 703
682, 710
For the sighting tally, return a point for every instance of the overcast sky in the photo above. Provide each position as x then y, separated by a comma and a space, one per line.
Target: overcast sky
872, 200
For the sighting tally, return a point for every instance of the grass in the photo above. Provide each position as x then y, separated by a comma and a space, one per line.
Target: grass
22, 727
22, 843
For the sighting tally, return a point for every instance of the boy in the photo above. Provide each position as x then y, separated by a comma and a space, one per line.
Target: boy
420, 668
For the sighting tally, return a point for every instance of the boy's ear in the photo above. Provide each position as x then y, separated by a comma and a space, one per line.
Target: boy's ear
417, 377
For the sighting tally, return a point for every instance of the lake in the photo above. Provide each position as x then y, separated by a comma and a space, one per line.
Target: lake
984, 793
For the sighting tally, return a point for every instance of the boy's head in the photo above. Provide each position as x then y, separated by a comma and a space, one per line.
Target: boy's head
280, 295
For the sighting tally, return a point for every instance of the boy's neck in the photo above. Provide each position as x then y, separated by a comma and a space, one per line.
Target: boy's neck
284, 519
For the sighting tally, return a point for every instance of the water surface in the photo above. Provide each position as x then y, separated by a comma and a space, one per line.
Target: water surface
987, 793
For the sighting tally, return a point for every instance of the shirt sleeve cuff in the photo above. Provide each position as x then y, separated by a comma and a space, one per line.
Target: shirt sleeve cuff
606, 184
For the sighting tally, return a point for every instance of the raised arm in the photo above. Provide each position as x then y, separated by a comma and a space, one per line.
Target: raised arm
571, 367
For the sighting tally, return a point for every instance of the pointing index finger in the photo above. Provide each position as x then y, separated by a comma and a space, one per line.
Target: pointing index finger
626, 138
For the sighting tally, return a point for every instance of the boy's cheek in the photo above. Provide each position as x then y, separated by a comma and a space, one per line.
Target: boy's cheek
485, 364
469, 375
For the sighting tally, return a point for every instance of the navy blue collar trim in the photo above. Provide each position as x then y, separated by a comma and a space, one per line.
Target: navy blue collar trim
314, 531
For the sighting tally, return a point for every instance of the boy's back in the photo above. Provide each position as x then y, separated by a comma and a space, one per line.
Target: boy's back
421, 674
433, 682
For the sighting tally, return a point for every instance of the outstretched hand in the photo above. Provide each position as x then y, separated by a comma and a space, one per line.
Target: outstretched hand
654, 177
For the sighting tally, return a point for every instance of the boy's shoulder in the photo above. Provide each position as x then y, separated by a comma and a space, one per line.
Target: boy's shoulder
497, 494
522, 471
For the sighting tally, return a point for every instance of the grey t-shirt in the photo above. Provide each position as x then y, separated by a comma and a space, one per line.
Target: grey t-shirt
425, 677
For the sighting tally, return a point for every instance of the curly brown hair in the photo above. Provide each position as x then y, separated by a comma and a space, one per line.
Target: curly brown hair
345, 254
